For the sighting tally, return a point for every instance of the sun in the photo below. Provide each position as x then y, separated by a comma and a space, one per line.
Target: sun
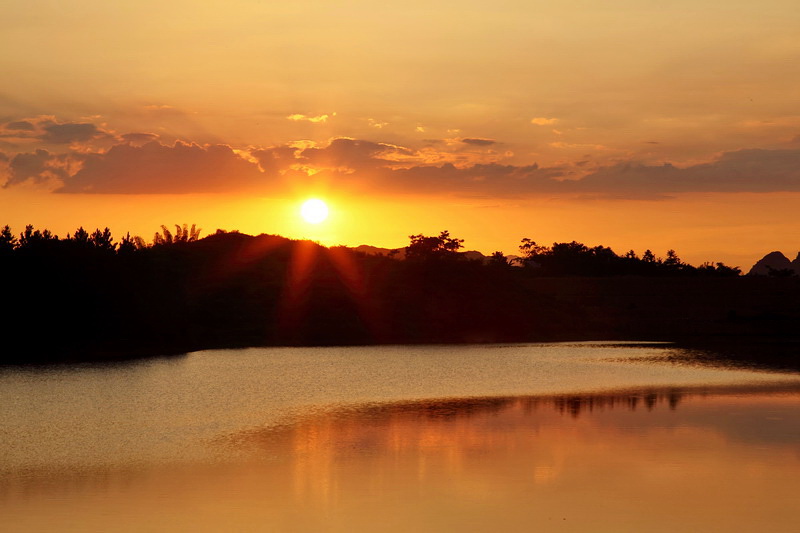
314, 211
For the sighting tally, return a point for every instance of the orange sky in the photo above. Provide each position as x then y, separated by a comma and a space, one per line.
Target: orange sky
633, 124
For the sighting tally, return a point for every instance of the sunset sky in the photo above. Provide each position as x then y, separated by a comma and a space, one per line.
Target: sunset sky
632, 124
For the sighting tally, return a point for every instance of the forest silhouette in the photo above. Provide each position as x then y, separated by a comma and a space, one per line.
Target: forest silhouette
88, 297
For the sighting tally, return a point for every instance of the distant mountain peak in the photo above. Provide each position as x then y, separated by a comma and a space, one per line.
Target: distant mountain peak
401, 252
375, 250
774, 261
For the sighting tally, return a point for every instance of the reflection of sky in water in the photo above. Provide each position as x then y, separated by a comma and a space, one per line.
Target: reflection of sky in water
763, 415
169, 409
724, 459
693, 459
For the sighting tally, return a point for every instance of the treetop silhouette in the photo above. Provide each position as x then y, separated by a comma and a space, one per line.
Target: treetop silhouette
88, 296
424, 248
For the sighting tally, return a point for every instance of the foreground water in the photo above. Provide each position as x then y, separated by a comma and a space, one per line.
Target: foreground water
572, 437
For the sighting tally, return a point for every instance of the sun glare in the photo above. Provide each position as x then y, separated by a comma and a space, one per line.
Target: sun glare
314, 211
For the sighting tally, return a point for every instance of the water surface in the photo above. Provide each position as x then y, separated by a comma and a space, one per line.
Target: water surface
573, 437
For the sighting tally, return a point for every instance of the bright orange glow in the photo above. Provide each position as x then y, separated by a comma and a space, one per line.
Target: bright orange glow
314, 211
454, 461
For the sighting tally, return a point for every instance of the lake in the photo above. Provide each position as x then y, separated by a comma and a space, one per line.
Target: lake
559, 437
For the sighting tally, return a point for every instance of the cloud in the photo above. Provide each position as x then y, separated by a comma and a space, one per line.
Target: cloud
385, 167
479, 179
39, 167
751, 170
70, 132
18, 132
20, 125
140, 164
139, 138
389, 168
366, 159
543, 121
479, 142
354, 154
377, 123
319, 119
274, 160
157, 168
47, 130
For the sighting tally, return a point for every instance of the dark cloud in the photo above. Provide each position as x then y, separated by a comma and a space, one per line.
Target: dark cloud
142, 165
20, 125
479, 142
156, 168
70, 132
354, 154
39, 167
47, 130
17, 131
754, 170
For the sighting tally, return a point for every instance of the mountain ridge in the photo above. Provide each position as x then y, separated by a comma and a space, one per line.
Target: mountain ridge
776, 263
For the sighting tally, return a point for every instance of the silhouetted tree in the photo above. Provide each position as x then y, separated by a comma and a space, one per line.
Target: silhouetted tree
186, 234
570, 259
102, 240
81, 236
425, 248
182, 235
725, 270
672, 264
7, 240
31, 238
499, 260
130, 244
672, 259
718, 269
530, 250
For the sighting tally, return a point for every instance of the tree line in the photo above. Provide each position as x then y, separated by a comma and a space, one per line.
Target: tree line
32, 239
87, 296
568, 259
560, 259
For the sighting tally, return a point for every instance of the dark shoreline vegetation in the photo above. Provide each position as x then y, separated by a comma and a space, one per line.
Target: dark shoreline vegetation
88, 298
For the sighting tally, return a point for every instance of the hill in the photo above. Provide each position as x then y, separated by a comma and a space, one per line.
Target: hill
776, 264
84, 299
